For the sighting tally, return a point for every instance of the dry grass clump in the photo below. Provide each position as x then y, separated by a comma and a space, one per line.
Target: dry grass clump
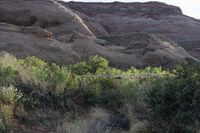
95, 122
98, 121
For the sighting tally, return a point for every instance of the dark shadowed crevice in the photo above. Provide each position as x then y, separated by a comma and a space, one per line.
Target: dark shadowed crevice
19, 18
29, 22
26, 18
46, 24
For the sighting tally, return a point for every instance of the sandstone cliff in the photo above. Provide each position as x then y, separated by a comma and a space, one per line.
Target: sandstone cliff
150, 17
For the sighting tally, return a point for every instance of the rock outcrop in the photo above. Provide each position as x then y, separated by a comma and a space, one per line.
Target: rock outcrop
46, 14
58, 34
150, 17
23, 42
150, 49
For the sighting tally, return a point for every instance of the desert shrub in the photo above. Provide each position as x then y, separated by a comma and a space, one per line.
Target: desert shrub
171, 98
42, 83
9, 95
98, 89
96, 122
80, 68
34, 71
92, 65
173, 103
7, 75
8, 99
133, 91
103, 92
96, 62
36, 67
109, 71
148, 71
44, 76
7, 60
59, 77
8, 71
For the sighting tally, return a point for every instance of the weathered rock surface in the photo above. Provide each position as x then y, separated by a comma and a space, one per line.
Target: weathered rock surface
46, 14
93, 25
57, 34
22, 42
150, 17
141, 49
150, 49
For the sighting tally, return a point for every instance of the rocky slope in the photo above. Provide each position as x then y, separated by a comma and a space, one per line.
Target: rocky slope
150, 49
23, 41
58, 34
150, 17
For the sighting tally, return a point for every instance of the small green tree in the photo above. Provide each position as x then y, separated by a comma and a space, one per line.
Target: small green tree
91, 66
80, 68
96, 62
59, 77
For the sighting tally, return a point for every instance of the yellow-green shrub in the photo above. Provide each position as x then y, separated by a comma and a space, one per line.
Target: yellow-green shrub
8, 99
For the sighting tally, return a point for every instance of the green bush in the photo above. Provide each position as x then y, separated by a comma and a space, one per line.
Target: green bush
148, 71
58, 77
169, 99
103, 92
48, 82
80, 68
44, 76
109, 71
174, 102
96, 62
133, 91
7, 76
91, 66
35, 70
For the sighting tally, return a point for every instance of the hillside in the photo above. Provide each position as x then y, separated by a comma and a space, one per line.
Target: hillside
78, 35
72, 67
150, 17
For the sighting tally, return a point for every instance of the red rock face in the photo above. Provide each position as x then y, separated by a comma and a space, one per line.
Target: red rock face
151, 17
129, 17
149, 8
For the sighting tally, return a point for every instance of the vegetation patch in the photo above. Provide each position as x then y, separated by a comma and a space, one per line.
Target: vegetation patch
164, 101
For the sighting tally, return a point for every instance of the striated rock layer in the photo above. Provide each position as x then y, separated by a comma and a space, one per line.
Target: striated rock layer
150, 17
